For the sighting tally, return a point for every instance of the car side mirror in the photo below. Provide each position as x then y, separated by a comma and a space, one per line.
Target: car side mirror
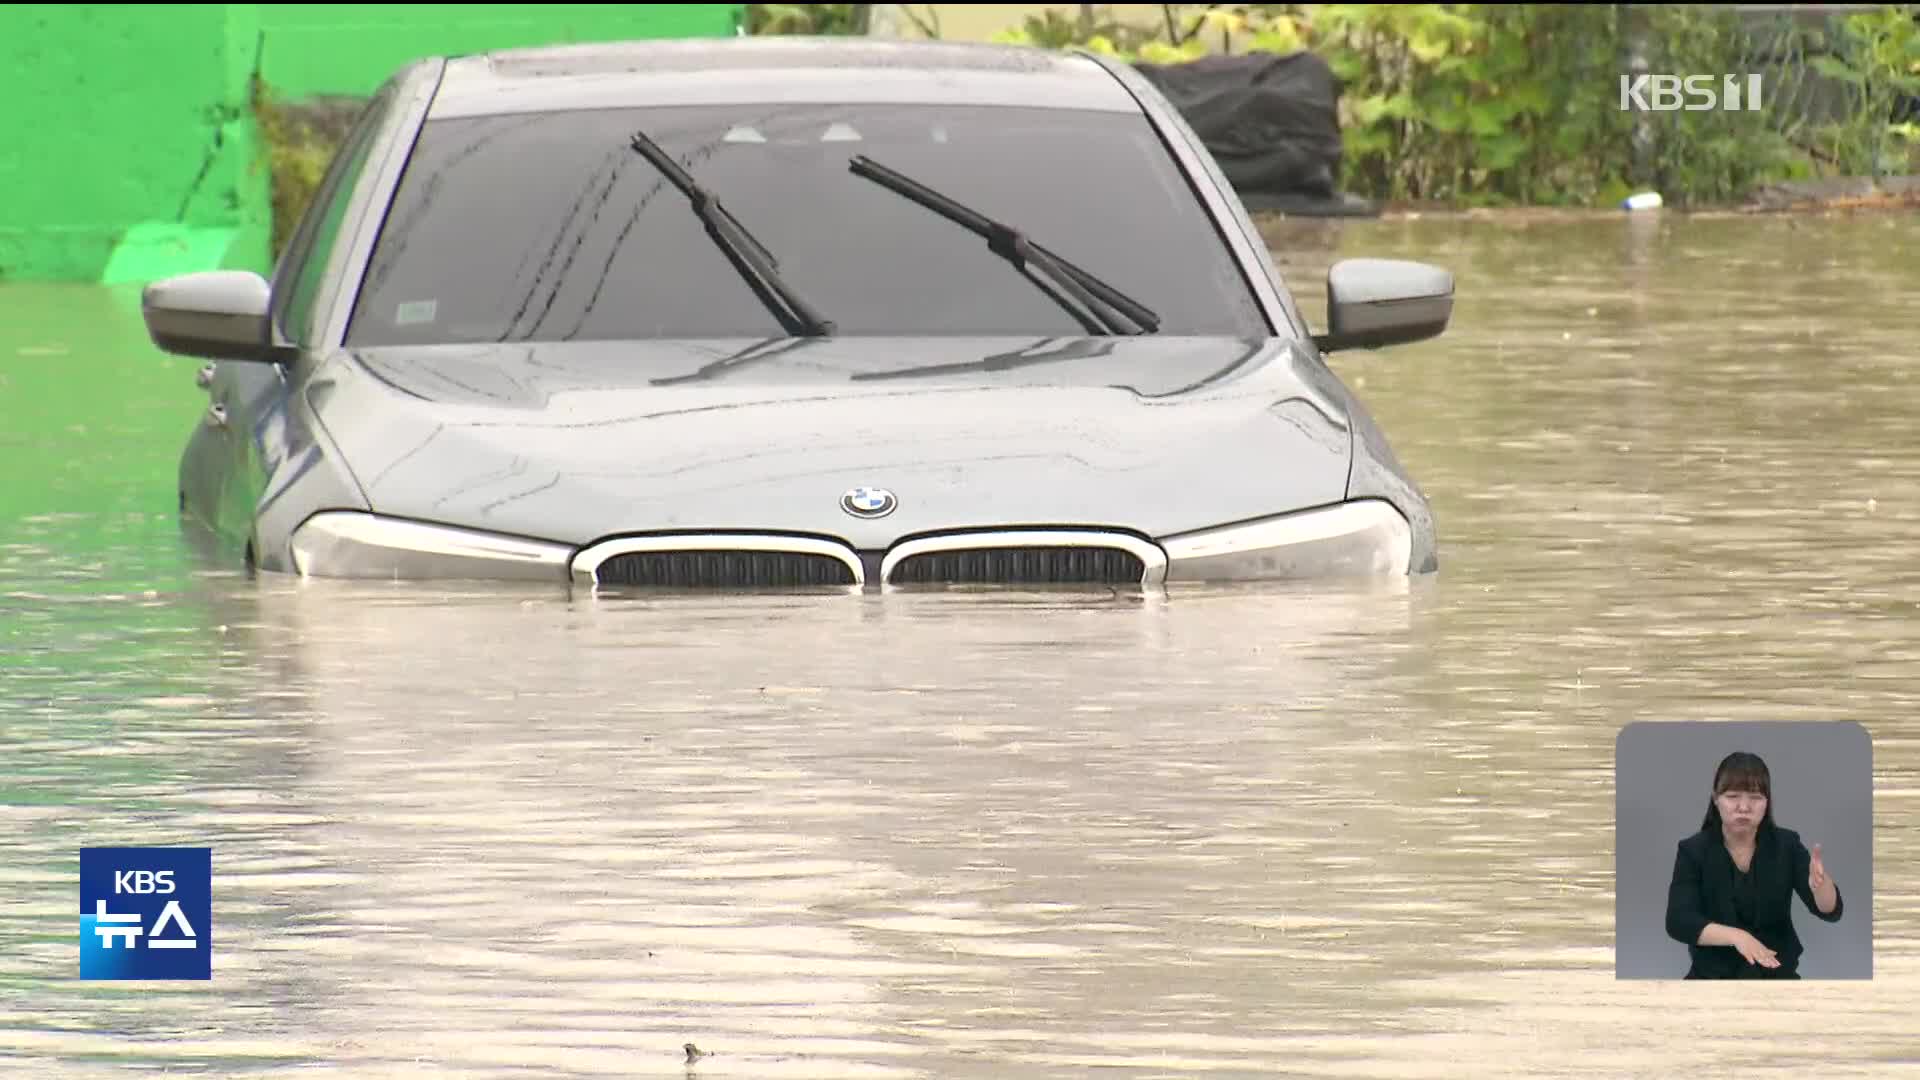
1376, 302
215, 314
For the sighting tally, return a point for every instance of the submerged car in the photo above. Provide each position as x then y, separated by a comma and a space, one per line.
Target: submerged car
788, 312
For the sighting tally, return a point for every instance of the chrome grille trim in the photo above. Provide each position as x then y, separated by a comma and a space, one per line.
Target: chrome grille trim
586, 565
1149, 554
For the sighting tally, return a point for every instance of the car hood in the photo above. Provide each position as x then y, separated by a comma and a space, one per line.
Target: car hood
574, 442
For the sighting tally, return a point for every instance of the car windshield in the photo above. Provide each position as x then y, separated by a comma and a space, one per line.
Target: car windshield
546, 227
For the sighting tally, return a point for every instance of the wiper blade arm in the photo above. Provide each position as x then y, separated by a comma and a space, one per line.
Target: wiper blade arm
759, 350
1071, 350
1011, 244
748, 256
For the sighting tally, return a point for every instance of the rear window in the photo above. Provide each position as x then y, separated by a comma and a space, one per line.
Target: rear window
542, 227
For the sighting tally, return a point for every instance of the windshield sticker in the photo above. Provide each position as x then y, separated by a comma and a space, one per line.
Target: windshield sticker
415, 311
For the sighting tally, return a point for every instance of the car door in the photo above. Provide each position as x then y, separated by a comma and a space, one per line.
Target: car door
243, 440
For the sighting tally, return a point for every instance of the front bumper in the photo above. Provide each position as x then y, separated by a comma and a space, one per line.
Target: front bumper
1363, 538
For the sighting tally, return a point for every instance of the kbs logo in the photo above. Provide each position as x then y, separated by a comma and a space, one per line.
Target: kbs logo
143, 881
146, 913
1695, 93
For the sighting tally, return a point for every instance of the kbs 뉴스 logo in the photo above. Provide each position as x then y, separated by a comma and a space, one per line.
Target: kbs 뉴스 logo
146, 913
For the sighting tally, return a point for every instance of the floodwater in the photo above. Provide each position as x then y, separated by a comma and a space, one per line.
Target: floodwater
1305, 832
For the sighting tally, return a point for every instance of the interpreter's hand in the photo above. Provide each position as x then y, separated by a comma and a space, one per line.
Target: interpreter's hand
1755, 952
1817, 878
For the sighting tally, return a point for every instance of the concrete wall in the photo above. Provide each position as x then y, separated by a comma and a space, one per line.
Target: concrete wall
127, 148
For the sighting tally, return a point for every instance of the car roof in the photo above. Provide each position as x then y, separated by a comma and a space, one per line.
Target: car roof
799, 70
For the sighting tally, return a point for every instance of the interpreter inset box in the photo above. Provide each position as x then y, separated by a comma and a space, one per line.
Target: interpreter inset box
1743, 851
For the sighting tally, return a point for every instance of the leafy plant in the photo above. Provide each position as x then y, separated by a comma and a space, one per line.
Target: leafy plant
1878, 62
300, 141
1488, 104
807, 18
1454, 102
1053, 30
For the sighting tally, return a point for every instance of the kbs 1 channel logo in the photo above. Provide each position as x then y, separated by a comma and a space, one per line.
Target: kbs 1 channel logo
146, 913
1693, 93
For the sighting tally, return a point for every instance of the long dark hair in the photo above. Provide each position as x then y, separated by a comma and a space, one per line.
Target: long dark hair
1740, 771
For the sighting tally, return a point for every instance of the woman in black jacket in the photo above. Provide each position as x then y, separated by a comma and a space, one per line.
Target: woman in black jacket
1731, 899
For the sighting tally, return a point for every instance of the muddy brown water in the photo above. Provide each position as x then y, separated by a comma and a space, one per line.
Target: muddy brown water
1219, 832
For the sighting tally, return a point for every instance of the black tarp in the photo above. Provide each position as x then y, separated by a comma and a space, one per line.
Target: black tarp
1273, 124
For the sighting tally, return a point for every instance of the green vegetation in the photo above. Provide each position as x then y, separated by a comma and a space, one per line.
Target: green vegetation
300, 140
1504, 104
807, 18
1885, 81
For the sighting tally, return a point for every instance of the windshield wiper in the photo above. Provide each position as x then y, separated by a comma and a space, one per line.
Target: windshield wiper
1080, 349
1012, 245
759, 350
754, 263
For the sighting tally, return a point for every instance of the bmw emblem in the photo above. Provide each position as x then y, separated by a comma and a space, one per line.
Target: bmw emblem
866, 502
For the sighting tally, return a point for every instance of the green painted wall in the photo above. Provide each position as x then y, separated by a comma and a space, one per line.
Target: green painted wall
115, 115
127, 150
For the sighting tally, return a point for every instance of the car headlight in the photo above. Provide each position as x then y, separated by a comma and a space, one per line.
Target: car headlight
1363, 538
350, 544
